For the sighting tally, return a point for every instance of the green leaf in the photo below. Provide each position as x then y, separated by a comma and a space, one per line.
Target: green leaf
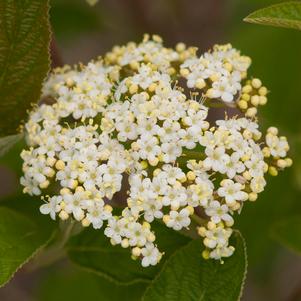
287, 14
73, 284
6, 143
287, 232
92, 251
188, 277
24, 58
20, 239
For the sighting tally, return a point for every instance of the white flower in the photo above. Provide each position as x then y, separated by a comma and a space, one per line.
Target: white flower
151, 255
137, 234
217, 237
216, 159
220, 252
152, 210
75, 204
257, 184
149, 147
175, 197
97, 214
235, 165
115, 229
218, 212
222, 89
52, 207
232, 191
278, 146
172, 173
128, 122
178, 220
170, 151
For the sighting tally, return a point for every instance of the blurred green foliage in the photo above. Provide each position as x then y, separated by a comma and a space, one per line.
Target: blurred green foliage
72, 284
70, 18
276, 60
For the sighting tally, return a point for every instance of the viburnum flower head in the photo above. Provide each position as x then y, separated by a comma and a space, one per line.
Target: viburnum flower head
138, 117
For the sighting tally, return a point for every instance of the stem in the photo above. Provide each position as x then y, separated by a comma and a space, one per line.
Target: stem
55, 251
197, 219
56, 59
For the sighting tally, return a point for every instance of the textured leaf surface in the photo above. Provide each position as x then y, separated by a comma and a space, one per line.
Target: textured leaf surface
188, 277
8, 142
288, 233
20, 238
24, 58
92, 251
287, 14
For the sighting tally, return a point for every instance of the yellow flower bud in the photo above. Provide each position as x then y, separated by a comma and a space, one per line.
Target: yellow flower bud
206, 254
191, 176
242, 104
281, 163
272, 130
190, 209
166, 219
255, 100
202, 231
263, 100
211, 225
184, 72
263, 91
180, 47
246, 97
144, 164
133, 89
152, 87
63, 215
154, 162
85, 222
200, 83
289, 162
256, 83
247, 89
273, 171
44, 184
266, 152
251, 112
136, 251
125, 243
253, 196
59, 165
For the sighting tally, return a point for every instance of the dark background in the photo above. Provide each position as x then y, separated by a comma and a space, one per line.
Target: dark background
83, 32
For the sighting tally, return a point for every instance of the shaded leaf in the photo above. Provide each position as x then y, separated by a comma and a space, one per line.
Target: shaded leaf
6, 143
92, 251
24, 58
286, 14
20, 239
287, 232
188, 277
71, 284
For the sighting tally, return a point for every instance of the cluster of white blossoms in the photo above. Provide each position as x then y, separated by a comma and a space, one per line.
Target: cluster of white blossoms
137, 118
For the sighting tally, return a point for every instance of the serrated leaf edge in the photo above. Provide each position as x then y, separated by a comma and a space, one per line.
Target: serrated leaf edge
253, 20
188, 245
30, 256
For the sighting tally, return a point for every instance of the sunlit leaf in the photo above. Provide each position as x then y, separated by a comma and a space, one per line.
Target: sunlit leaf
6, 143
286, 14
21, 238
24, 58
188, 277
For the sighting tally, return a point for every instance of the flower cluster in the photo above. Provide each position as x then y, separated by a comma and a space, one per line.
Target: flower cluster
138, 117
